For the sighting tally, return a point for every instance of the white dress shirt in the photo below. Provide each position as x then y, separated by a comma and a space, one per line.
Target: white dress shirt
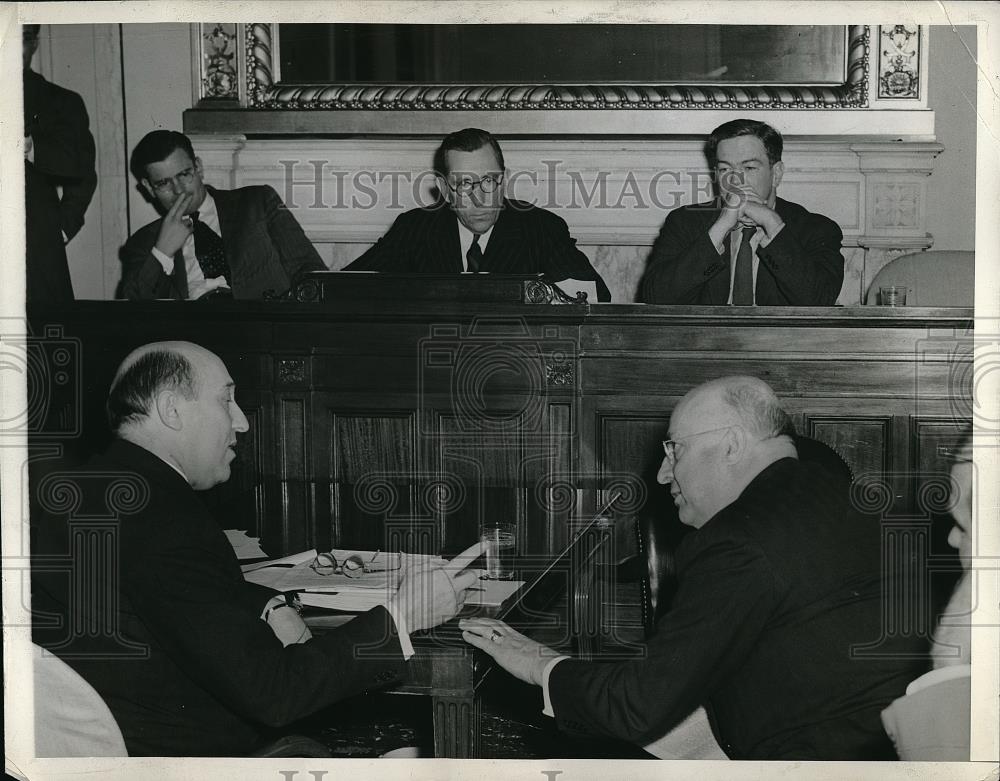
197, 284
465, 237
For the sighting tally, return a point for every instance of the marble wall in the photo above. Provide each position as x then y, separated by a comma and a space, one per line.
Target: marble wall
613, 194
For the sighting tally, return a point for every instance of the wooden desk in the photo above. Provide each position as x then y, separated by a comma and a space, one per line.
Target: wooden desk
559, 605
365, 415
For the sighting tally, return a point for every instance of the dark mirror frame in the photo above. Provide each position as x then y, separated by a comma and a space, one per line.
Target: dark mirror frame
258, 89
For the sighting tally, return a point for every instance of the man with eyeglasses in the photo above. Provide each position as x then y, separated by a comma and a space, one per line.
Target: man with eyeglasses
475, 228
209, 243
60, 177
776, 627
748, 247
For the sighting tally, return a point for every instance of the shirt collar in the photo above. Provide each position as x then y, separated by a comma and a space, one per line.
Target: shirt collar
207, 211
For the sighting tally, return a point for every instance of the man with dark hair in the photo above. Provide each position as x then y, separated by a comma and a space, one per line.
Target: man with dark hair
475, 228
776, 624
209, 243
59, 177
190, 658
748, 247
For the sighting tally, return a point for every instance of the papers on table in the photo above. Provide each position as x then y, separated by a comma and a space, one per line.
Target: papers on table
363, 591
288, 561
245, 547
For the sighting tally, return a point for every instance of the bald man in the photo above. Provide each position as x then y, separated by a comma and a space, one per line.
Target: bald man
778, 585
190, 658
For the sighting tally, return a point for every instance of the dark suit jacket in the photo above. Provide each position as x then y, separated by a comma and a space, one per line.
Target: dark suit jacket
525, 240
64, 156
801, 267
775, 594
169, 633
264, 244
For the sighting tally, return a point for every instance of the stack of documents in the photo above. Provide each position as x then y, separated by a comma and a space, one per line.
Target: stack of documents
245, 547
362, 590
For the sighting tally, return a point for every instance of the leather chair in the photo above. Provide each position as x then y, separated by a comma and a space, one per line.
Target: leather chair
933, 278
656, 542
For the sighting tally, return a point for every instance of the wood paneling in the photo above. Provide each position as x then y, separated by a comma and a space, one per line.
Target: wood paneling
426, 419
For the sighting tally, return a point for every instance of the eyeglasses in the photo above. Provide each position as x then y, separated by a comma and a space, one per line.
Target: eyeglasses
487, 184
353, 566
183, 179
670, 445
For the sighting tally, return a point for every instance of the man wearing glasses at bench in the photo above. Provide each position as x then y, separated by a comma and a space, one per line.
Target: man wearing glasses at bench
475, 228
209, 243
191, 659
779, 588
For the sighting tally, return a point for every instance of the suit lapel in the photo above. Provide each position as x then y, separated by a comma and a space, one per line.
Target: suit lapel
506, 247
180, 274
227, 218
444, 247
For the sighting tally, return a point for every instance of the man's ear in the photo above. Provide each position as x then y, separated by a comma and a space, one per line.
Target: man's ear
777, 171
147, 189
736, 443
198, 167
167, 409
443, 188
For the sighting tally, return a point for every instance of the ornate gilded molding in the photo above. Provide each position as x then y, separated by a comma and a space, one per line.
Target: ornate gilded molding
541, 291
263, 92
219, 75
899, 62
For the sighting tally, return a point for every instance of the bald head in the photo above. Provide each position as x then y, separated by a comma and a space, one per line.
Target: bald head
177, 400
724, 434
743, 400
148, 370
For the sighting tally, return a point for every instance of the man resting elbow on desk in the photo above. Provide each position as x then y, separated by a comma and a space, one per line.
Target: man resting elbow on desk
778, 583
208, 244
190, 658
750, 247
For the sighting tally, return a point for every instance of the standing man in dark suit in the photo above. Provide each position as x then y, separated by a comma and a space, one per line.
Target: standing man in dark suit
780, 585
475, 228
59, 177
190, 658
750, 247
209, 243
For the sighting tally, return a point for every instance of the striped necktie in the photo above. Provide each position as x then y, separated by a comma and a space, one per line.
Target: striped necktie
743, 281
474, 257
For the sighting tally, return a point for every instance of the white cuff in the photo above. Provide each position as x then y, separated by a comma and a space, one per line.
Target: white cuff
273, 602
401, 629
165, 260
547, 710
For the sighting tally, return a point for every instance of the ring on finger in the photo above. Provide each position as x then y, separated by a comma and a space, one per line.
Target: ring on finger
495, 636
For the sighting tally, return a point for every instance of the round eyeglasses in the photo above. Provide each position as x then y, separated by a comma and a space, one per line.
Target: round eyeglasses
183, 179
670, 445
488, 184
352, 566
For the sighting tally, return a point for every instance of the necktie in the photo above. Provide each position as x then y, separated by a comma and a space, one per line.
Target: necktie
743, 281
474, 256
208, 249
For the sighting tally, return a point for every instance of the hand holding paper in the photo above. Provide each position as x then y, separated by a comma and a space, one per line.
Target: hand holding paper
432, 592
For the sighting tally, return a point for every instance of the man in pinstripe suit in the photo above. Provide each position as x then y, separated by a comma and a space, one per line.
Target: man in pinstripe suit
475, 228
